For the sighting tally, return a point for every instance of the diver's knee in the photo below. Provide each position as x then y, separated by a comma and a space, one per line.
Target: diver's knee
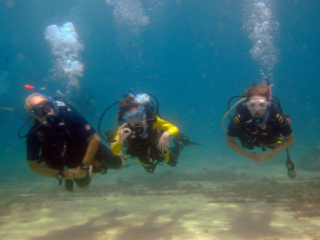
123, 163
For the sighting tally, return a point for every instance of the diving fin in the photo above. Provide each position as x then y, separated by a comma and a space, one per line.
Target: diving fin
184, 140
191, 143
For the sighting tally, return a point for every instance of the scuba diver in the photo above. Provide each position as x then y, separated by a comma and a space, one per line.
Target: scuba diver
145, 135
67, 144
260, 122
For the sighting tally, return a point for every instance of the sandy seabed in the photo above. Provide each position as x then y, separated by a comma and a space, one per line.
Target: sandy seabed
251, 202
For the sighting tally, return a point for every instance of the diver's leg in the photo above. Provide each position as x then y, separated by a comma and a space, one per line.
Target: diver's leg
180, 141
174, 154
104, 160
184, 141
83, 183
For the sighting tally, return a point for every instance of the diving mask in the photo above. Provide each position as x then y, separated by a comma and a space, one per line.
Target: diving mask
139, 115
42, 109
257, 104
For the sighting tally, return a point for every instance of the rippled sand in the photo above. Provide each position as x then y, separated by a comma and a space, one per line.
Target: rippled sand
125, 205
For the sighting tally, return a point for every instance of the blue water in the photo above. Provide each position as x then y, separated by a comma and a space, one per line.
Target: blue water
192, 55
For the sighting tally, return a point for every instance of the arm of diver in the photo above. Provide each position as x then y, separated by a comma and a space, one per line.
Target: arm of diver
166, 126
93, 146
37, 167
235, 147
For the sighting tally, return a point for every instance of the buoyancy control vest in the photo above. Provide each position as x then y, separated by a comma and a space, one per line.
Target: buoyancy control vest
145, 149
52, 139
251, 135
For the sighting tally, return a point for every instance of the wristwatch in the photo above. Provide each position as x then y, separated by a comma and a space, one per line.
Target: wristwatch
84, 166
60, 176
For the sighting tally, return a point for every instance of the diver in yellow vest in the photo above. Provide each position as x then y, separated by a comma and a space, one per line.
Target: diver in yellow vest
146, 136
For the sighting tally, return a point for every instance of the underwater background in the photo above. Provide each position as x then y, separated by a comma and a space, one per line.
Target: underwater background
192, 55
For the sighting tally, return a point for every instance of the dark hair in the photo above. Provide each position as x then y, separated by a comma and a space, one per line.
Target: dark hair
128, 103
257, 90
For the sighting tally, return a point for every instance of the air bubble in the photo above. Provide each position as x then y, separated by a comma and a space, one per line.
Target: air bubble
262, 27
129, 12
66, 47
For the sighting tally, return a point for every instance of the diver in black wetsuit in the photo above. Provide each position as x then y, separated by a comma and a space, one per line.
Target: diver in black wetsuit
259, 123
66, 143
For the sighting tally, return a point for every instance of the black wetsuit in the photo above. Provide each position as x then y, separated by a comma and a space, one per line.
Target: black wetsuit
65, 145
147, 151
251, 135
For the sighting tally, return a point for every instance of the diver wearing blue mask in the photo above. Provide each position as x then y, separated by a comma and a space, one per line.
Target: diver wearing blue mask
146, 136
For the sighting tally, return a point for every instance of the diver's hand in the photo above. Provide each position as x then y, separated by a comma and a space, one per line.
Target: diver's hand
80, 173
124, 132
69, 173
263, 157
164, 142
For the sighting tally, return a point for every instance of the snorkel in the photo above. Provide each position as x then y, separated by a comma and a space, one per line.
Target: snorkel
39, 90
141, 98
133, 93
